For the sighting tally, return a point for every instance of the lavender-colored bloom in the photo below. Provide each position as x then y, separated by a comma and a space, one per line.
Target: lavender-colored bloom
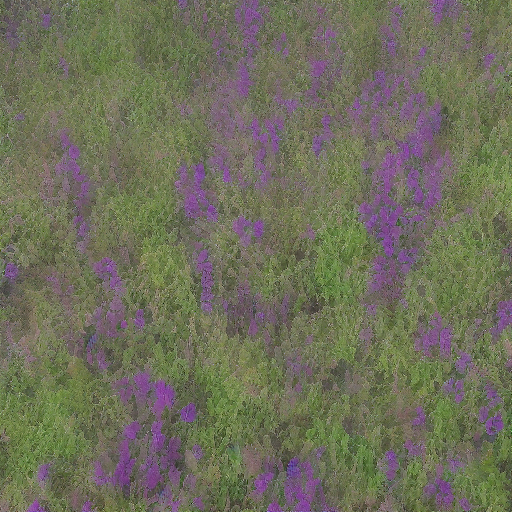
318, 67
46, 20
87, 507
464, 503
130, 431
414, 450
74, 152
174, 476
65, 66
429, 490
182, 4
139, 319
188, 413
492, 395
453, 465
11, 271
211, 213
488, 59
258, 228
35, 507
198, 502
143, 384
494, 425
392, 465
462, 362
19, 117
43, 472
317, 145
262, 481
420, 419
197, 452
158, 441
483, 414
293, 469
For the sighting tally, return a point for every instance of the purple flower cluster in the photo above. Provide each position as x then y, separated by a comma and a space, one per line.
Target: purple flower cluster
301, 490
11, 271
250, 21
106, 270
493, 424
206, 268
414, 450
279, 44
250, 309
444, 496
327, 135
146, 455
505, 318
442, 8
390, 33
435, 336
219, 161
392, 465
457, 389
464, 362
81, 187
255, 230
195, 202
46, 20
420, 418
35, 507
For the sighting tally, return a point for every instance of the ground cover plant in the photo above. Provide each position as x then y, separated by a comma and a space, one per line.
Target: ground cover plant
255, 256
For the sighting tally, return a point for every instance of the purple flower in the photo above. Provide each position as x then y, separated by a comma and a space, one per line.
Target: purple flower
43, 472
74, 152
139, 319
130, 431
392, 465
318, 67
464, 503
258, 228
19, 117
198, 502
11, 271
46, 20
420, 419
293, 469
488, 59
35, 507
197, 452
65, 66
462, 362
429, 490
317, 145
153, 476
211, 213
413, 450
274, 507
182, 4
494, 425
188, 413
87, 507
453, 465
261, 483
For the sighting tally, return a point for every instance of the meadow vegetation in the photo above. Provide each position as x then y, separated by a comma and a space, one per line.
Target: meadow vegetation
255, 256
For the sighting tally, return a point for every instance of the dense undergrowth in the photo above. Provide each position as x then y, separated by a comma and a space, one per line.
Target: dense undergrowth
255, 256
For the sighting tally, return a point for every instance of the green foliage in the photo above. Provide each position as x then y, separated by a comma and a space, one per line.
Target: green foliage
340, 270
460, 269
